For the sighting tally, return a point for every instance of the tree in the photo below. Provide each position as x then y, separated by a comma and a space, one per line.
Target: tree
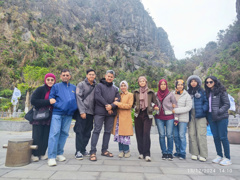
32, 78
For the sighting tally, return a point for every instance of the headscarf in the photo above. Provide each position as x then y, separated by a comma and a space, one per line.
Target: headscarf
143, 94
49, 88
162, 94
176, 90
123, 82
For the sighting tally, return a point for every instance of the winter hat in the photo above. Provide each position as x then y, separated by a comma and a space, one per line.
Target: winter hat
49, 75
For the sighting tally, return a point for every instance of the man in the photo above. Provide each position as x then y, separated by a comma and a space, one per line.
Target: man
65, 95
84, 118
105, 111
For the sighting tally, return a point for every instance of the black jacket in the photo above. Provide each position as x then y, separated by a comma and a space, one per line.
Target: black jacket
220, 105
38, 96
105, 93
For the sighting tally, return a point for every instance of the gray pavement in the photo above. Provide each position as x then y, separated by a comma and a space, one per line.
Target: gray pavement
120, 168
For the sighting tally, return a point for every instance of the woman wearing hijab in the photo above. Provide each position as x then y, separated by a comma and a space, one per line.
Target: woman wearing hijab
218, 118
184, 103
166, 101
143, 99
40, 130
122, 128
197, 127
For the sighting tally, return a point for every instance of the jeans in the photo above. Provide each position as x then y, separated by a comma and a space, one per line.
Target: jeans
83, 128
98, 123
59, 129
179, 134
169, 133
123, 147
219, 131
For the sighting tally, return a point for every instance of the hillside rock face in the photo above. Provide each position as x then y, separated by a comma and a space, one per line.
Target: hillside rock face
238, 9
105, 27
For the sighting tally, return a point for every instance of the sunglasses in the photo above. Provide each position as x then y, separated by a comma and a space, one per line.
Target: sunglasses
209, 82
50, 80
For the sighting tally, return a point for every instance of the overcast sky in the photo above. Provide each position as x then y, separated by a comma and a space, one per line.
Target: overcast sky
191, 23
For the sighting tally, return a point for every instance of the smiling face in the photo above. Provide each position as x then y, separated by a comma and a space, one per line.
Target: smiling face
163, 86
50, 81
123, 87
109, 77
65, 77
142, 82
91, 76
180, 86
193, 83
210, 83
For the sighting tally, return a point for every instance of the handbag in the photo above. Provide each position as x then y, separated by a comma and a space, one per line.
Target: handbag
29, 115
41, 114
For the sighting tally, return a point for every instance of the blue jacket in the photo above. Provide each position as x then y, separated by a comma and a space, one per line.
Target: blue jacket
201, 105
65, 95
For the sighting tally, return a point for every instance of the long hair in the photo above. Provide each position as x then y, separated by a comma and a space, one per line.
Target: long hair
218, 87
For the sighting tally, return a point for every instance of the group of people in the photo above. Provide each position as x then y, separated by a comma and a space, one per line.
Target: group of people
96, 105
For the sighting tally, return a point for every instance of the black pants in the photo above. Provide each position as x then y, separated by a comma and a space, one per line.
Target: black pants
98, 123
40, 135
142, 127
83, 128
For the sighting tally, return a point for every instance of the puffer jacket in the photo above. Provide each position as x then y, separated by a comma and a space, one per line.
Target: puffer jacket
220, 105
184, 104
201, 105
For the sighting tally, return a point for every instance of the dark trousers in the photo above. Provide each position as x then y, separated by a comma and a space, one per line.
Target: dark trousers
98, 123
40, 135
83, 128
142, 128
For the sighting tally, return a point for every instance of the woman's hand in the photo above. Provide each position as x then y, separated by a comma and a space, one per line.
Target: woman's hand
52, 101
173, 111
173, 105
156, 108
115, 102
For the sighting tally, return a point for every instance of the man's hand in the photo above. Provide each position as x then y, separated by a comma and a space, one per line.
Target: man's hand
108, 107
110, 112
83, 116
52, 101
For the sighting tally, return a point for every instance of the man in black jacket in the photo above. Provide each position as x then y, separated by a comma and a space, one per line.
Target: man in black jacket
105, 111
84, 119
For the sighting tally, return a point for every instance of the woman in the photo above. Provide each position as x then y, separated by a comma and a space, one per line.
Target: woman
122, 128
218, 118
198, 124
184, 103
143, 99
40, 130
166, 101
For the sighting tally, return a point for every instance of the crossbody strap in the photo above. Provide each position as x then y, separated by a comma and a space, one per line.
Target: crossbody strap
89, 92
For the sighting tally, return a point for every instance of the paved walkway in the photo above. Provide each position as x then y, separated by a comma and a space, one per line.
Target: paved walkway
116, 168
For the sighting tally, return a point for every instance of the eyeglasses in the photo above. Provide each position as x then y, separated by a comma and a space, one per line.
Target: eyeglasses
209, 82
50, 80
91, 74
65, 75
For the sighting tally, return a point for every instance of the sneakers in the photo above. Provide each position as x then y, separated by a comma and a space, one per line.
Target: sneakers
170, 157
45, 157
164, 156
79, 155
34, 158
121, 154
52, 162
127, 155
217, 159
225, 162
148, 159
61, 158
86, 153
194, 157
140, 156
202, 159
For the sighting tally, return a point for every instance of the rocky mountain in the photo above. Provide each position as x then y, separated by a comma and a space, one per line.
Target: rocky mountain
78, 34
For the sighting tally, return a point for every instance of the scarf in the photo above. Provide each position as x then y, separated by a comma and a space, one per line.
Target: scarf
143, 94
162, 94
